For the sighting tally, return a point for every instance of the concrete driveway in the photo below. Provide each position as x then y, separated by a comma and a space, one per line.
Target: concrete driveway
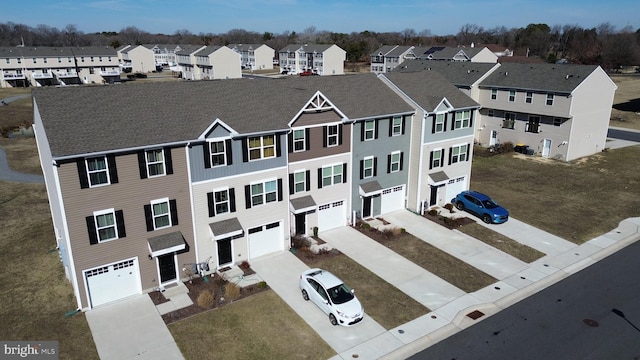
131, 329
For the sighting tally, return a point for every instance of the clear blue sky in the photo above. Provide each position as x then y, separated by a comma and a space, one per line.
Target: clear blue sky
441, 17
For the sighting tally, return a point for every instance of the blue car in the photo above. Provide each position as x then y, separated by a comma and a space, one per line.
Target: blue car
482, 206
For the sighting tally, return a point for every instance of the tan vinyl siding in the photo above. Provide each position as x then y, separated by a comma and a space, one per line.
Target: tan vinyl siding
130, 195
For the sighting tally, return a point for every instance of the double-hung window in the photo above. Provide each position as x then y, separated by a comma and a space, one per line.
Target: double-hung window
218, 155
395, 159
367, 167
97, 171
161, 214
529, 98
494, 94
459, 153
436, 158
299, 181
332, 135
550, 99
262, 147
439, 123
262, 193
462, 119
155, 162
512, 95
221, 201
106, 225
332, 175
298, 140
369, 129
396, 126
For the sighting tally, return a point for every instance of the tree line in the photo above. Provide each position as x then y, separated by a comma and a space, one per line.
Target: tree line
604, 45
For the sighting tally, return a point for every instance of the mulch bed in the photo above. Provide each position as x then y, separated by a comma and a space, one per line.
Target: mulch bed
449, 223
196, 286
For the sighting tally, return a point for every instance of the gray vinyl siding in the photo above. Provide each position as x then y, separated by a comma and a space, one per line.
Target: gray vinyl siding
238, 166
130, 195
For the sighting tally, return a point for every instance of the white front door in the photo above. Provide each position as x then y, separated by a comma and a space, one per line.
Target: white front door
546, 147
493, 138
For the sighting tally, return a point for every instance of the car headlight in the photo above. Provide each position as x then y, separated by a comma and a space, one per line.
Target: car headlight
340, 313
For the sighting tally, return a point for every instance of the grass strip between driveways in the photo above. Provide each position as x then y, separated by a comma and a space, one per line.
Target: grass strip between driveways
385, 303
261, 326
434, 260
501, 242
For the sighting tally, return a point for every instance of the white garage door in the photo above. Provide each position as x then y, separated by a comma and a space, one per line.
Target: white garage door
455, 187
113, 282
331, 215
265, 239
392, 199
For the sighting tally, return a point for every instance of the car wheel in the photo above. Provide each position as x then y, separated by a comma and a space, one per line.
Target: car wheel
486, 218
459, 205
333, 320
305, 296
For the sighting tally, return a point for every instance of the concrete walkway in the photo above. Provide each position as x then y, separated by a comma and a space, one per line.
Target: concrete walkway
7, 174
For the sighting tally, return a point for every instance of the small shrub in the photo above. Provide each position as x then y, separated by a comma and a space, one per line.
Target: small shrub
244, 265
205, 299
299, 242
262, 285
449, 207
315, 231
403, 230
433, 212
506, 147
231, 291
366, 226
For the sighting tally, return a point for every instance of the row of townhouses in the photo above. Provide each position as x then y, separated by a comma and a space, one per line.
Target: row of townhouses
209, 174
42, 66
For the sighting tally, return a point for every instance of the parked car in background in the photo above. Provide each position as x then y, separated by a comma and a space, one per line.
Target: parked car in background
482, 206
306, 73
332, 296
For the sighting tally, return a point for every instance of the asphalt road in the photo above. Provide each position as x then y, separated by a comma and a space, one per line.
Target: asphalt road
624, 135
573, 319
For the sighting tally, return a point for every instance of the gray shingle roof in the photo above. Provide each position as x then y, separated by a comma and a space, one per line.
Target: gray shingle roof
461, 74
307, 47
559, 78
92, 119
208, 50
52, 51
428, 88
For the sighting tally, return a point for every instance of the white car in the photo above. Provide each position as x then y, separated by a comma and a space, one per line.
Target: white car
332, 296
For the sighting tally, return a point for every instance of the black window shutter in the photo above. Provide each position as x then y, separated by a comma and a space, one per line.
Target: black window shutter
91, 227
344, 173
148, 217
308, 180
433, 124
174, 212
430, 160
361, 169
120, 224
290, 141
401, 160
388, 163
82, 173
168, 161
206, 154
441, 158
471, 118
468, 148
362, 126
113, 171
247, 196
279, 189
446, 119
232, 200
291, 184
211, 205
324, 136
340, 134
375, 129
390, 127
245, 150
142, 164
450, 152
453, 121
403, 122
228, 151
375, 166
278, 147
319, 178
307, 139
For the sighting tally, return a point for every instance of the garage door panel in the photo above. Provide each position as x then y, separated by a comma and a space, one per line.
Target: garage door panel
392, 199
265, 239
331, 215
113, 282
455, 187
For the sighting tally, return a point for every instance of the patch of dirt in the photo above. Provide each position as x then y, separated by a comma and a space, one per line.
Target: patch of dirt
449, 223
196, 286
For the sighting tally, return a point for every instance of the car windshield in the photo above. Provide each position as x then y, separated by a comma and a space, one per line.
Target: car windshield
489, 204
340, 294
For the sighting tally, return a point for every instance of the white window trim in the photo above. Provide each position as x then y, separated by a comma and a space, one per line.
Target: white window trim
372, 130
440, 121
528, 98
264, 191
394, 126
333, 174
115, 224
303, 140
364, 167
459, 122
303, 182
439, 159
89, 172
457, 157
512, 95
164, 167
154, 216
395, 162
261, 147
224, 152
215, 203
550, 98
494, 94
330, 136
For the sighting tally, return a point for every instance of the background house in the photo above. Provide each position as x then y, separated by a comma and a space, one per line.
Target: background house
317, 58
254, 56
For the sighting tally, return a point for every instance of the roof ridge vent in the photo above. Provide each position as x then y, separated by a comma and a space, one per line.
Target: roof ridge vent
568, 76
